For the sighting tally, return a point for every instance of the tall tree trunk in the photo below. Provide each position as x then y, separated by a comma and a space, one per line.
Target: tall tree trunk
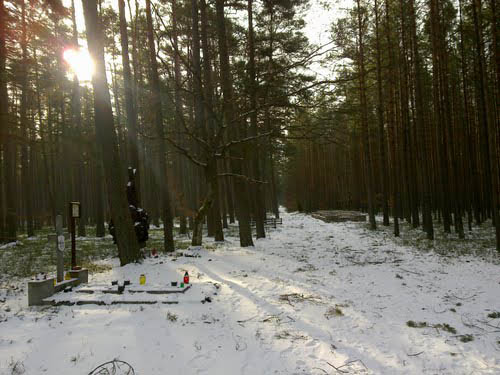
380, 117
122, 143
44, 137
267, 115
211, 121
495, 141
132, 138
449, 138
470, 170
211, 175
3, 120
76, 107
180, 161
364, 118
260, 208
200, 122
25, 164
481, 104
135, 62
241, 201
62, 172
421, 125
128, 247
97, 180
408, 155
166, 211
439, 116
488, 131
391, 120
9, 144
495, 31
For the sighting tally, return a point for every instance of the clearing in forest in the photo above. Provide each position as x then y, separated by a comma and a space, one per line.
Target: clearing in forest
311, 298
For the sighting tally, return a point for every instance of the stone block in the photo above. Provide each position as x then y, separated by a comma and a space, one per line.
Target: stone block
65, 283
82, 275
40, 289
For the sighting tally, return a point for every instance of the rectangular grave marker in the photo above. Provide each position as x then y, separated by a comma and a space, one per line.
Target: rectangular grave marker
59, 248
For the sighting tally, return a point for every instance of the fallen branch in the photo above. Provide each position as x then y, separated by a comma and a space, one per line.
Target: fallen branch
462, 298
337, 368
347, 364
413, 272
246, 320
319, 368
269, 318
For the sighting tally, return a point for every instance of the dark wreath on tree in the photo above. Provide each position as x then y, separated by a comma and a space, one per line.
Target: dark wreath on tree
140, 217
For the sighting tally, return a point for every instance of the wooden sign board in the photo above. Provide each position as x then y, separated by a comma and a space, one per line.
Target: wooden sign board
60, 242
75, 209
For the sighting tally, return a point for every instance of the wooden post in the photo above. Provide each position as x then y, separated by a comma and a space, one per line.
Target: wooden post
71, 230
74, 212
59, 248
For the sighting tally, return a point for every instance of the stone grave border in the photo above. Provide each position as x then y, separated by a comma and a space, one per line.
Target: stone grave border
39, 290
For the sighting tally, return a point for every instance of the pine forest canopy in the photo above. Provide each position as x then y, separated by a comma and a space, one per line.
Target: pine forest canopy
228, 109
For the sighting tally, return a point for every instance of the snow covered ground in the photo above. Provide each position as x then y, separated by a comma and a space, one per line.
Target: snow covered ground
312, 298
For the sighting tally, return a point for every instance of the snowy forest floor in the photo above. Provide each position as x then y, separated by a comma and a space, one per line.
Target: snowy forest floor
311, 298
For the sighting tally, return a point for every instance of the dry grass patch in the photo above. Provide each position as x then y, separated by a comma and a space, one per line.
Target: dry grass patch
293, 298
97, 267
333, 312
287, 335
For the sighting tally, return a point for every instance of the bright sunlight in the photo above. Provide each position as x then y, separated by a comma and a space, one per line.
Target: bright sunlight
80, 63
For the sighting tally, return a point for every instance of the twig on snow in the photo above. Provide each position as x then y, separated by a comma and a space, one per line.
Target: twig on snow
469, 324
270, 317
413, 272
347, 364
462, 298
246, 320
337, 368
319, 368
487, 323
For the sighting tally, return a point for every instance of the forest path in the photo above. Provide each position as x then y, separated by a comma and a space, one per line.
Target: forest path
307, 273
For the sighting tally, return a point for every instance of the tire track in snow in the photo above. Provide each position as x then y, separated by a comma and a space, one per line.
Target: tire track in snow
319, 339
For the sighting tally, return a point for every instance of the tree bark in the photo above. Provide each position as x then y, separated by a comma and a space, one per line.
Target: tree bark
408, 154
9, 144
25, 164
180, 161
128, 247
380, 117
422, 126
199, 119
439, 116
79, 148
166, 211
211, 121
391, 119
260, 208
364, 118
241, 201
132, 138
267, 116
